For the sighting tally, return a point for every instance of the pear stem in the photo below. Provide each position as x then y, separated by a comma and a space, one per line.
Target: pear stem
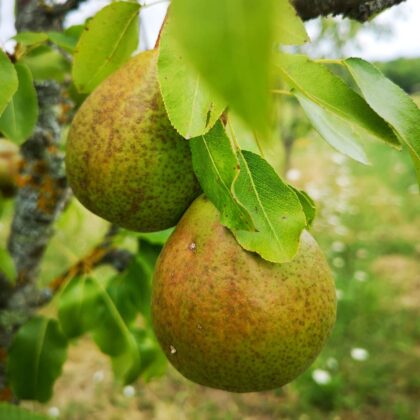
161, 29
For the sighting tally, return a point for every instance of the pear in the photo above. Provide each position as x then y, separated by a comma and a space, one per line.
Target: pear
124, 160
230, 320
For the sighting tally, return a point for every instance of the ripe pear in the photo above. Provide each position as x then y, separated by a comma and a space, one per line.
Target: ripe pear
124, 160
230, 320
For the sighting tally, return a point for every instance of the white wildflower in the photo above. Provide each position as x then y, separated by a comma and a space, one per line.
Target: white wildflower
359, 354
129, 391
98, 376
53, 412
293, 174
321, 377
332, 363
360, 276
338, 246
338, 158
338, 262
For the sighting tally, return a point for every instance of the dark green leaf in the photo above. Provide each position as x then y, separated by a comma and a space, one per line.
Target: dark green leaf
21, 114
192, 108
340, 115
274, 207
216, 166
8, 80
148, 254
130, 292
391, 103
153, 359
308, 205
12, 412
230, 43
113, 337
108, 41
36, 357
79, 306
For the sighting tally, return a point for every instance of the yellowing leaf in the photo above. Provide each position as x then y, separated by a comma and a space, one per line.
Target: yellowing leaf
291, 30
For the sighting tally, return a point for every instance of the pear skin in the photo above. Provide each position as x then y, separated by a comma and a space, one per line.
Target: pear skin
124, 160
230, 320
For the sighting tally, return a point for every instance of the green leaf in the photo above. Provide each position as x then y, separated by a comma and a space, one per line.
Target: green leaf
216, 166
131, 291
191, 106
291, 28
230, 43
156, 238
21, 114
113, 337
30, 38
7, 265
264, 214
36, 357
339, 132
12, 412
391, 103
153, 359
46, 64
274, 207
268, 146
148, 254
337, 112
78, 307
8, 80
308, 205
67, 39
108, 41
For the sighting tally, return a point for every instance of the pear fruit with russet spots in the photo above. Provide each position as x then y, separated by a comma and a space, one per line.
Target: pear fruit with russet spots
230, 320
124, 160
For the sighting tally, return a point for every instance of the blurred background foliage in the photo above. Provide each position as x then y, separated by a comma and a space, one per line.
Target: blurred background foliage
368, 225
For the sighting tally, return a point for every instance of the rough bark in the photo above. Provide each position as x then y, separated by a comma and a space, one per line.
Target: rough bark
361, 10
41, 195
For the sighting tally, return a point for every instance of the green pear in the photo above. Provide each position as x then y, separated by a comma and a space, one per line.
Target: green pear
230, 320
124, 160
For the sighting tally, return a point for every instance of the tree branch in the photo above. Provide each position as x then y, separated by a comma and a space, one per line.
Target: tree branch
38, 15
42, 188
104, 253
361, 10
